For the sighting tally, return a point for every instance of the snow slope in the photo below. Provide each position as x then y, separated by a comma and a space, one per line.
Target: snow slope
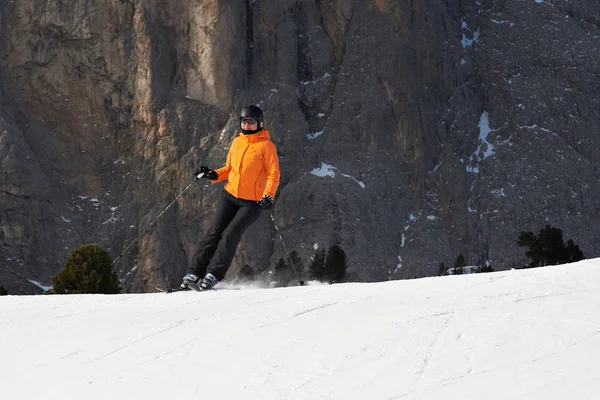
528, 334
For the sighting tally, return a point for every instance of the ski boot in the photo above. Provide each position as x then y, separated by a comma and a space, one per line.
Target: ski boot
189, 278
205, 283
208, 282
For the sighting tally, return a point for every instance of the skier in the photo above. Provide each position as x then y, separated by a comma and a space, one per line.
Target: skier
252, 173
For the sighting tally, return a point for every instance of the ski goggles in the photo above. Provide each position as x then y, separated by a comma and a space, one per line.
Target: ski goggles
249, 121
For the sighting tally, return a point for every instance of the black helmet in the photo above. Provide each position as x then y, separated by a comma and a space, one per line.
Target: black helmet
252, 111
255, 112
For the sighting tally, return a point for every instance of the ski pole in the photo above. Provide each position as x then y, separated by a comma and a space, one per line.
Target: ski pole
286, 250
120, 255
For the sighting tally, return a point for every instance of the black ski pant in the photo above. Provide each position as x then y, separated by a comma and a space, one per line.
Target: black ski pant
232, 218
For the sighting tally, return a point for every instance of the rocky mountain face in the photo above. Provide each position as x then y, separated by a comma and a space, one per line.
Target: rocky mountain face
409, 132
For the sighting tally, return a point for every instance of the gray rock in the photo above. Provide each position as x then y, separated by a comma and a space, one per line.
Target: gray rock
408, 132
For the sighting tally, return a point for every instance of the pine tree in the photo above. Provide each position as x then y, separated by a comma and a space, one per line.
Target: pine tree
280, 275
284, 270
442, 269
89, 269
317, 266
3, 291
459, 265
573, 252
336, 264
548, 248
486, 268
330, 266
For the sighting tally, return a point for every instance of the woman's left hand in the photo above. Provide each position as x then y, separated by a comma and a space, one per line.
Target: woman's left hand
266, 202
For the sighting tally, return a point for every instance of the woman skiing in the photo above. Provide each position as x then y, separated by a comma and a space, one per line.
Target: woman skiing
252, 173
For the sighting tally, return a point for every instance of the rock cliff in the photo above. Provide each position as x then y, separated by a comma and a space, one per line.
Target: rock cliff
408, 131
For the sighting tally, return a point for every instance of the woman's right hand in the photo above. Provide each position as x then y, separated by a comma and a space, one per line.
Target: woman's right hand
207, 173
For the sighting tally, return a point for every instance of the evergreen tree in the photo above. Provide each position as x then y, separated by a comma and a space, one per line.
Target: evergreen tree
573, 252
486, 268
89, 269
317, 266
284, 270
548, 248
442, 269
3, 291
336, 264
281, 274
459, 265
330, 266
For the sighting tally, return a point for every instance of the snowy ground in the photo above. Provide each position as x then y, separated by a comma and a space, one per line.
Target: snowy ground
528, 334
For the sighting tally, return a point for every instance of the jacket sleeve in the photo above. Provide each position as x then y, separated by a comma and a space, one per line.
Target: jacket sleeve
223, 172
272, 166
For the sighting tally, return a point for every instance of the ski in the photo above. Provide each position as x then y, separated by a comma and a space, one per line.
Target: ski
167, 290
195, 287
192, 286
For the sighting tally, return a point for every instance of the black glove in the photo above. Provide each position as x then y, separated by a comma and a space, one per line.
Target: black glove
266, 202
208, 173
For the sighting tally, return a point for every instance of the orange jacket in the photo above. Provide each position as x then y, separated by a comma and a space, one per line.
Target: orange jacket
252, 167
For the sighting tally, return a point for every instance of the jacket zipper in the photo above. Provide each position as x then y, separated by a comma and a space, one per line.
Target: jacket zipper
240, 167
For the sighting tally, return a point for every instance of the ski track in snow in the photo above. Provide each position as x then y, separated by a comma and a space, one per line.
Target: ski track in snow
434, 347
523, 334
